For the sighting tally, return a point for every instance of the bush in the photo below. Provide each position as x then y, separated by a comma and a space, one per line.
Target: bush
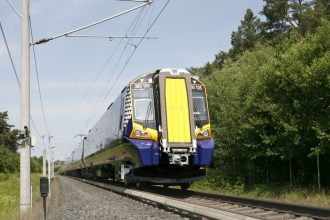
36, 164
9, 161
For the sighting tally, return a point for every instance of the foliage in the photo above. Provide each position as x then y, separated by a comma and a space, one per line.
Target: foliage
247, 35
280, 19
270, 107
8, 137
36, 164
216, 182
9, 161
283, 16
9, 158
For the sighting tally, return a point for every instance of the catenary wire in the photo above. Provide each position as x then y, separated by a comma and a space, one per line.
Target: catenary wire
92, 24
16, 75
134, 26
93, 82
37, 75
135, 48
104, 95
14, 9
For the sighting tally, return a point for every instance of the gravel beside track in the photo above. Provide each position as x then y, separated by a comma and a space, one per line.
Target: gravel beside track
83, 201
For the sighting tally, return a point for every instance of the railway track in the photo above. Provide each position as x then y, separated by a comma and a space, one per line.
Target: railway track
216, 206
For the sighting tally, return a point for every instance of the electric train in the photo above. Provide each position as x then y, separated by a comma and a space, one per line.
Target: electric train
156, 131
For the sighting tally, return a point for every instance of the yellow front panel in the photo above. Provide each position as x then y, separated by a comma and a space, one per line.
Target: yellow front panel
177, 110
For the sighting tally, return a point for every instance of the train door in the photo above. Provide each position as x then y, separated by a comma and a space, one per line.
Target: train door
122, 106
177, 120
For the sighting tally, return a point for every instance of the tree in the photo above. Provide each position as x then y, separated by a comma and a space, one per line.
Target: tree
8, 136
276, 13
271, 106
247, 35
282, 16
269, 95
220, 59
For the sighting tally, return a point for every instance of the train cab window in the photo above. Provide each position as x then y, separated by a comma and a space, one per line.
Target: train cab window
200, 107
143, 104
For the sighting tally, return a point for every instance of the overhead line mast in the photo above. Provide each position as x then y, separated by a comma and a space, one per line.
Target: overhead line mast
25, 153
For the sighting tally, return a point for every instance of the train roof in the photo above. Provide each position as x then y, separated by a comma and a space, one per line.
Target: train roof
147, 77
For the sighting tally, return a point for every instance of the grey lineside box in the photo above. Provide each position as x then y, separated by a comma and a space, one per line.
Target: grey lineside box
44, 186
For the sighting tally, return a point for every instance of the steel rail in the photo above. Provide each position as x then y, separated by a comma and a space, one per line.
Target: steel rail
282, 207
298, 209
240, 207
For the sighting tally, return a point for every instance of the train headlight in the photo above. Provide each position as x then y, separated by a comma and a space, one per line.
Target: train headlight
141, 133
204, 133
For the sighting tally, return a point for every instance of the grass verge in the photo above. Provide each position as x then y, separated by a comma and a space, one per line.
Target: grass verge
215, 183
9, 194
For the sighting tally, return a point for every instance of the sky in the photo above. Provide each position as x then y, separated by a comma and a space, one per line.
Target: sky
80, 77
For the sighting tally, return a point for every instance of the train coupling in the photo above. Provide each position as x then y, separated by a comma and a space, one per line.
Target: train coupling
179, 159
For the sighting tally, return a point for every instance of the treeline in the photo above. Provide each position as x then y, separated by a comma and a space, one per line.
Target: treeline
9, 158
269, 96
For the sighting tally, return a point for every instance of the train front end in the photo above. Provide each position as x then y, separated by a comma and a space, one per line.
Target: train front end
170, 119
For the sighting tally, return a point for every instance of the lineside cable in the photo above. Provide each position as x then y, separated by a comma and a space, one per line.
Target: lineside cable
10, 56
16, 75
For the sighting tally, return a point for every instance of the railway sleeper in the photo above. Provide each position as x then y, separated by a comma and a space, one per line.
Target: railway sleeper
266, 214
281, 216
242, 209
253, 210
230, 207
303, 218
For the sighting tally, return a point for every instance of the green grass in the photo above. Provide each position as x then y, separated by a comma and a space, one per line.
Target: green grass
9, 193
215, 183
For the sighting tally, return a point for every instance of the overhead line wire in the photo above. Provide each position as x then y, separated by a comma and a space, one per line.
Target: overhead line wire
150, 15
92, 24
93, 82
93, 114
37, 75
14, 9
134, 25
16, 75
135, 48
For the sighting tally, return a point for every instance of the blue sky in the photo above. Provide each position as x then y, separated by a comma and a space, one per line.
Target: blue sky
189, 34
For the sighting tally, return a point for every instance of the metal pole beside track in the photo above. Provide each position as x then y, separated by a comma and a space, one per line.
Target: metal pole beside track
44, 161
49, 158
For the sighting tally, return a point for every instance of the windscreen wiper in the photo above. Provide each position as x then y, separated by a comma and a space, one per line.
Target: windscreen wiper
199, 123
147, 115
